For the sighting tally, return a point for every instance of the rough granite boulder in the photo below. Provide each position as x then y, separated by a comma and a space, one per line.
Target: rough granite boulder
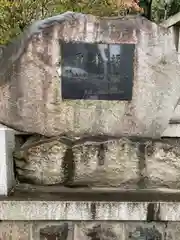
93, 162
30, 84
128, 163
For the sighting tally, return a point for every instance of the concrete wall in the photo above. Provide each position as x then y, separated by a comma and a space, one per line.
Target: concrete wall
57, 230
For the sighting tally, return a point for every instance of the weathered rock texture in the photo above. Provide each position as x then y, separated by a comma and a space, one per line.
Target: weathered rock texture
86, 231
126, 162
30, 88
105, 231
41, 164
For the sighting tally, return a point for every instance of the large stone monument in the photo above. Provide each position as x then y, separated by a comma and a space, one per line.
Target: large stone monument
94, 96
100, 92
77, 75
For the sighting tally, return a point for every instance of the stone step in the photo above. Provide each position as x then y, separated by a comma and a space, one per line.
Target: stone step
39, 210
63, 204
60, 193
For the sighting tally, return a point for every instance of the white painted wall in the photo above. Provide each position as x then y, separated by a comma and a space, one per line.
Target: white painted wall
7, 141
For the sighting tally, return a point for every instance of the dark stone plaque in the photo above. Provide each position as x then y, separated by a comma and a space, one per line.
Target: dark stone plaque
97, 71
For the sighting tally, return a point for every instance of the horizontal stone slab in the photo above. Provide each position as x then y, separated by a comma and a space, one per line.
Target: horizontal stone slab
98, 194
71, 210
85, 210
57, 203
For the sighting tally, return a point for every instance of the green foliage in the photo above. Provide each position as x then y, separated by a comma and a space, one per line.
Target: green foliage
162, 9
159, 10
16, 15
96, 7
173, 8
147, 7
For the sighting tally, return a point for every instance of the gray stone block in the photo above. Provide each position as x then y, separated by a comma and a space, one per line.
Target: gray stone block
145, 231
163, 165
99, 230
40, 163
87, 163
54, 230
129, 163
93, 230
13, 230
172, 231
120, 231
114, 163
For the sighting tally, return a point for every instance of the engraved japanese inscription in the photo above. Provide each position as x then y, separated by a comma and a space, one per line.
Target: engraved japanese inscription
96, 71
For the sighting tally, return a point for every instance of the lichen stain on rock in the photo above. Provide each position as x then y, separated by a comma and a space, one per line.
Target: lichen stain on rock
53, 232
98, 231
150, 148
68, 167
142, 164
144, 233
101, 154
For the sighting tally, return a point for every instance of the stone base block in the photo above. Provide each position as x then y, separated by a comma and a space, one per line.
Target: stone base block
126, 163
59, 230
